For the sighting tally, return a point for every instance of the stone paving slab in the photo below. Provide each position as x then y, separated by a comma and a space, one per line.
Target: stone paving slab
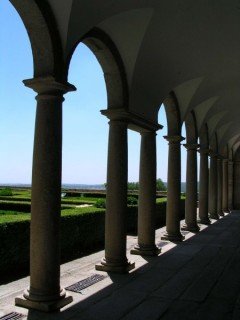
113, 307
155, 307
214, 309
183, 310
174, 287
207, 278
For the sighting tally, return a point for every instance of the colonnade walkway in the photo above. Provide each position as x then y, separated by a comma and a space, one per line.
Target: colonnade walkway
198, 278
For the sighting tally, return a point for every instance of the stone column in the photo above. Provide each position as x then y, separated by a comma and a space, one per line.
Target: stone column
213, 187
230, 185
191, 189
116, 201
173, 190
45, 293
220, 185
203, 187
147, 197
225, 186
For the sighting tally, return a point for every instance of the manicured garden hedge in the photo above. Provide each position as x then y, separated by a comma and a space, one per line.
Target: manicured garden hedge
26, 206
15, 206
14, 249
82, 231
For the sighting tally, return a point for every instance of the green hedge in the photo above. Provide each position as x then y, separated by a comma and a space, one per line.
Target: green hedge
132, 216
15, 206
8, 198
25, 206
14, 250
82, 231
85, 194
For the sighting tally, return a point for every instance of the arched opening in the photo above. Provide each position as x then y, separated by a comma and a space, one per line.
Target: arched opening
85, 130
133, 155
162, 146
17, 110
183, 159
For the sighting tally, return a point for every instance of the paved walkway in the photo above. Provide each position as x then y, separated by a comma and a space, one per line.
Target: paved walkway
196, 279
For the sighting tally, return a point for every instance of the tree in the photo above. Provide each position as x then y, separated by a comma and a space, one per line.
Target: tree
133, 185
160, 185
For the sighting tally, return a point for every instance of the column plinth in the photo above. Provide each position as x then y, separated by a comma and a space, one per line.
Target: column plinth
116, 201
204, 187
147, 197
191, 190
213, 187
37, 302
173, 190
45, 293
146, 250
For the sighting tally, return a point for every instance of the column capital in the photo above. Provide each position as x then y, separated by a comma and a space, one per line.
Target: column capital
174, 139
204, 151
219, 157
213, 154
49, 86
191, 146
148, 133
118, 123
135, 122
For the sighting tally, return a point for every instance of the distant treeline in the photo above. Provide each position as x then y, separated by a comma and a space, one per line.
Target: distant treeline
131, 186
160, 185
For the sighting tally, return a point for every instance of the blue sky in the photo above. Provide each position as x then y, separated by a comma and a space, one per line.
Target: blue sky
85, 130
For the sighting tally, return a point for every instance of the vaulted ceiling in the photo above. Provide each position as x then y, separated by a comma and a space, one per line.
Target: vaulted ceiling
188, 47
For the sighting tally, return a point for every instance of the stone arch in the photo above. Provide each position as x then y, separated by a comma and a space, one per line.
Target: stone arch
110, 60
214, 143
173, 115
203, 136
41, 28
191, 128
225, 151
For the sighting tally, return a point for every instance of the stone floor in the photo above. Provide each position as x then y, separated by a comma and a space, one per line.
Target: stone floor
196, 279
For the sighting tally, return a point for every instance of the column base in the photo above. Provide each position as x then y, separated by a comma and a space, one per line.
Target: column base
45, 306
214, 216
114, 267
146, 250
226, 211
172, 236
190, 227
204, 221
221, 213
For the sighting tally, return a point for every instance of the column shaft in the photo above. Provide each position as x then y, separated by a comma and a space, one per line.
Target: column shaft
191, 190
45, 292
230, 185
147, 197
203, 188
115, 222
225, 186
213, 187
173, 190
220, 186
